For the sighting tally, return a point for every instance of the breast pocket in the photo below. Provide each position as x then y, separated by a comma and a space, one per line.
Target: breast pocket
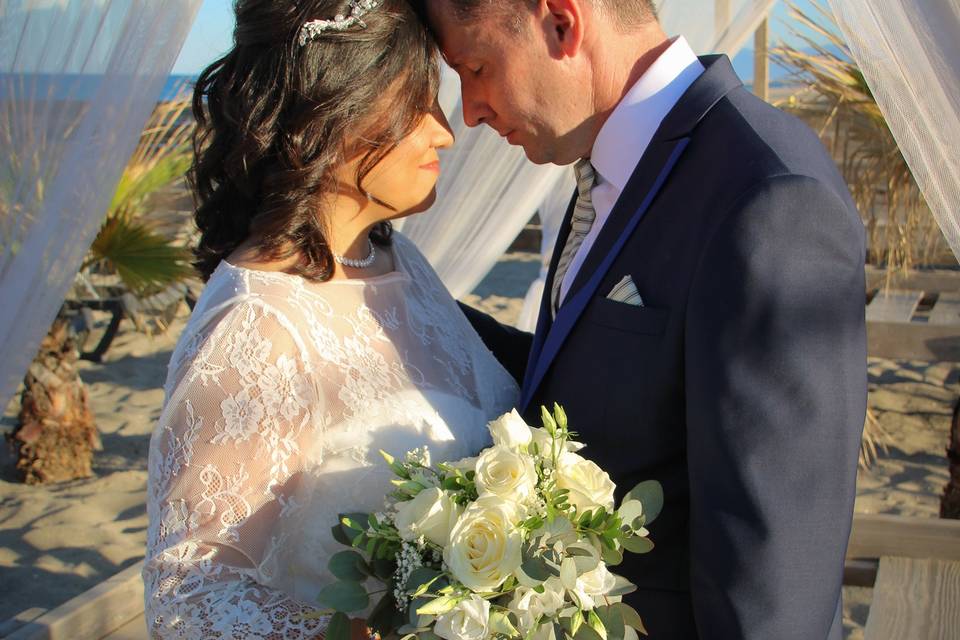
627, 318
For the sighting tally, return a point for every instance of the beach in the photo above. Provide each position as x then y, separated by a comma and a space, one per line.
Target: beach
58, 541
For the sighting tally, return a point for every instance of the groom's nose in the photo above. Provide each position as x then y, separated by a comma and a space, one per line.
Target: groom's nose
476, 112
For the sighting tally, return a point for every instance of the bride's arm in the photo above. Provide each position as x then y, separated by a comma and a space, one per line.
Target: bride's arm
223, 463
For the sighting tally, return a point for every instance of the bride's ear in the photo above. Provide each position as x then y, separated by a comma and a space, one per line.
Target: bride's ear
563, 22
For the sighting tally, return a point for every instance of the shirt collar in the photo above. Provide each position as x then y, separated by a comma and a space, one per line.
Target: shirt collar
625, 135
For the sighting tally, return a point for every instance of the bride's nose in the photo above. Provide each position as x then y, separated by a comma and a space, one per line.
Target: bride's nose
442, 134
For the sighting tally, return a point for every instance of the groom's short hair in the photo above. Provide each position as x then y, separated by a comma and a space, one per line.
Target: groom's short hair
628, 13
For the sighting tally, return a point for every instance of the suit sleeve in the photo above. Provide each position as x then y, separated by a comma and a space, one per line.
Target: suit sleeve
776, 400
510, 346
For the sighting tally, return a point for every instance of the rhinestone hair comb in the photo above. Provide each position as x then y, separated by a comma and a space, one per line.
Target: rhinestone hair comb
358, 8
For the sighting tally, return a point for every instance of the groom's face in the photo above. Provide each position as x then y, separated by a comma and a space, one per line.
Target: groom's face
513, 80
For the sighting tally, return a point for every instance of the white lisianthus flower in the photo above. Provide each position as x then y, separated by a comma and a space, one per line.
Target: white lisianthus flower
484, 548
469, 620
543, 439
511, 431
592, 585
506, 473
464, 464
432, 514
528, 605
589, 485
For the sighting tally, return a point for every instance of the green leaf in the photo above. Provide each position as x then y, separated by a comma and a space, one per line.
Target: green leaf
420, 580
355, 521
650, 494
338, 628
630, 616
385, 616
637, 544
340, 535
537, 568
383, 568
597, 624
347, 597
612, 557
348, 565
576, 621
622, 587
612, 622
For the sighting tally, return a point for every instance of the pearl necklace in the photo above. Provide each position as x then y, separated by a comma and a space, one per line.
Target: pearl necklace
358, 264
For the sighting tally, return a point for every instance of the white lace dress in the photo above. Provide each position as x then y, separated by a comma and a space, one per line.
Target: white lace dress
279, 396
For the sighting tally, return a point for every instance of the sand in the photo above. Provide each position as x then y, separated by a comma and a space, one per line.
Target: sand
58, 541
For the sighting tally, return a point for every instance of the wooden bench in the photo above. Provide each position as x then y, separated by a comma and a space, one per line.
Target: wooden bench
913, 566
918, 318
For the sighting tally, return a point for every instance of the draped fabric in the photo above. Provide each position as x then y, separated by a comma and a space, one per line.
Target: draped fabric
78, 81
909, 53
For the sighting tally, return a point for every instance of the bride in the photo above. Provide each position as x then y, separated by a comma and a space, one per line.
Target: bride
321, 337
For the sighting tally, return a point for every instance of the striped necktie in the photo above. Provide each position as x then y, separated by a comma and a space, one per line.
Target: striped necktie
583, 218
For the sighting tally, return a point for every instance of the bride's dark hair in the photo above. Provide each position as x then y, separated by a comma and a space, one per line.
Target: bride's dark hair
276, 119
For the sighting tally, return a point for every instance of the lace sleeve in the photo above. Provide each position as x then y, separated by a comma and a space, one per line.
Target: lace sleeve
225, 460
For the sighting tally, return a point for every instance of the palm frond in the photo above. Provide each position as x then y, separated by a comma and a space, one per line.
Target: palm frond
835, 99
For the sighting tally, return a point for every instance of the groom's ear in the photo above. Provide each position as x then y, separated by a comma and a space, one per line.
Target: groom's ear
563, 22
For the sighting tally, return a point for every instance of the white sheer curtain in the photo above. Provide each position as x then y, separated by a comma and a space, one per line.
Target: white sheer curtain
909, 53
78, 80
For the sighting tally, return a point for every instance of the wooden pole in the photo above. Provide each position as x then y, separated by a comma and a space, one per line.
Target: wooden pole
721, 18
761, 61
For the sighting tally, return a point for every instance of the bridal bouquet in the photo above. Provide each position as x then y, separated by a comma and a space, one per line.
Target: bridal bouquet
515, 543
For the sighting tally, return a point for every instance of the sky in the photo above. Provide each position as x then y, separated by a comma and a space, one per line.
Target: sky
212, 34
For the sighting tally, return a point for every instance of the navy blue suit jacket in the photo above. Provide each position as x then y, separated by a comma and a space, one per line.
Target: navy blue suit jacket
741, 384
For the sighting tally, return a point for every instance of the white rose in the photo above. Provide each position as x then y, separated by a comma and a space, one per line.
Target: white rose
528, 605
432, 514
589, 485
506, 473
510, 431
484, 548
469, 620
594, 584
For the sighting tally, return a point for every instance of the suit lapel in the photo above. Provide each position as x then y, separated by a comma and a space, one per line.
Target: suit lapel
717, 81
545, 319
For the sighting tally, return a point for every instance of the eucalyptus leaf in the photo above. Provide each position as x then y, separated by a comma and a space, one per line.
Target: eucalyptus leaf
338, 627
595, 623
629, 511
340, 536
420, 580
637, 544
537, 568
612, 621
348, 565
622, 587
343, 596
630, 616
650, 494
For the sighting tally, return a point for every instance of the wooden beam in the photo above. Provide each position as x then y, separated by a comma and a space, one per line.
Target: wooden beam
916, 599
93, 614
721, 18
761, 61
876, 536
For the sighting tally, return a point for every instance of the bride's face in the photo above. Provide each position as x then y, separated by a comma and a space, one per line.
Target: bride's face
406, 178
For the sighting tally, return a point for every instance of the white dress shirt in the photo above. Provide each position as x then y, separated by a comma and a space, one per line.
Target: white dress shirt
627, 133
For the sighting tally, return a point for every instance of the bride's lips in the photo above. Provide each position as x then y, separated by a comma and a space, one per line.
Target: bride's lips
431, 166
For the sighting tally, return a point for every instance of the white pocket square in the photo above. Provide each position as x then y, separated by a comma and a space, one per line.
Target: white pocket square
626, 292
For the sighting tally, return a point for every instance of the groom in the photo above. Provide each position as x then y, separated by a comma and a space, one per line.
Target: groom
703, 321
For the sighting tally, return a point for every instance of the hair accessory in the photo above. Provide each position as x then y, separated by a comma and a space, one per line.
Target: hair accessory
358, 9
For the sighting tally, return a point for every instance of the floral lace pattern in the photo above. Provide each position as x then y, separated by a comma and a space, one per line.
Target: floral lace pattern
279, 396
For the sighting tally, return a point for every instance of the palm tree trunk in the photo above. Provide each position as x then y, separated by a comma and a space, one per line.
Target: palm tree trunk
56, 434
950, 502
